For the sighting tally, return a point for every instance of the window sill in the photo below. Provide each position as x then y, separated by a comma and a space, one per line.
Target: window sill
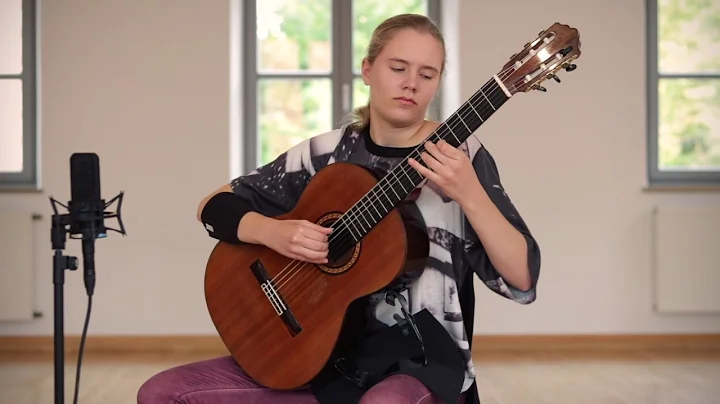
681, 188
20, 189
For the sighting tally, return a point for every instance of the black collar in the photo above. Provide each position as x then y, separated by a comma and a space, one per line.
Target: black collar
383, 151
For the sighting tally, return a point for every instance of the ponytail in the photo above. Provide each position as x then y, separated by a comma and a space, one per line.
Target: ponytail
360, 118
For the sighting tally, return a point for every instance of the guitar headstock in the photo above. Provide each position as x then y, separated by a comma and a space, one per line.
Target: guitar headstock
553, 49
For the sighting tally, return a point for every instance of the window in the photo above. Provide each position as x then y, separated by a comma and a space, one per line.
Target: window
684, 92
17, 95
302, 66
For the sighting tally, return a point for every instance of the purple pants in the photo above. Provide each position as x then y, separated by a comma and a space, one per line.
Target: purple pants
221, 381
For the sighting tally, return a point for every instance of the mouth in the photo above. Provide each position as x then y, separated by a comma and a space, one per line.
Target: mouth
406, 101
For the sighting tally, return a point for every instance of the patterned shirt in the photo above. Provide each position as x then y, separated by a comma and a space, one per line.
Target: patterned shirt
454, 250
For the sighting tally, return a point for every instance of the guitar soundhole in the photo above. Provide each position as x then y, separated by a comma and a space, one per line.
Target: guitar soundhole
343, 253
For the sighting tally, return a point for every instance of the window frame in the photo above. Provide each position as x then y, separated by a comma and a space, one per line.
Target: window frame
341, 74
655, 176
28, 178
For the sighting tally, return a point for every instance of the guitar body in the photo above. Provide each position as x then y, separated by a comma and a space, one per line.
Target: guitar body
282, 336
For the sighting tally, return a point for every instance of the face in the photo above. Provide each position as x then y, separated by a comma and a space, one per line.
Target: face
405, 77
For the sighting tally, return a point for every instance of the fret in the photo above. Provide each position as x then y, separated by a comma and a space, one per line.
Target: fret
453, 133
476, 113
376, 211
408, 176
466, 127
382, 204
357, 235
402, 179
401, 185
392, 188
362, 225
490, 102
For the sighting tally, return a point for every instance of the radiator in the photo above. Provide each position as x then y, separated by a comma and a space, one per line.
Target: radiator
686, 259
17, 270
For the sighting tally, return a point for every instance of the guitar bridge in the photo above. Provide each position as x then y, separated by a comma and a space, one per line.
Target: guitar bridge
275, 298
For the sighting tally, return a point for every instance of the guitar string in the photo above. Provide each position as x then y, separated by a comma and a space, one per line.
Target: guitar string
338, 234
446, 129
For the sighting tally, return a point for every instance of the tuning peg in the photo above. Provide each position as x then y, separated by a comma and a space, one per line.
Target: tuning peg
567, 50
541, 88
571, 67
555, 77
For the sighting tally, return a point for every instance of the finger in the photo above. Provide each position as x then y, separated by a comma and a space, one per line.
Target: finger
313, 234
425, 172
309, 254
317, 227
298, 257
437, 152
314, 245
449, 151
433, 163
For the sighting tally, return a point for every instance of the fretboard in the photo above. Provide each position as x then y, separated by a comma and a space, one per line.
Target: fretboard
394, 187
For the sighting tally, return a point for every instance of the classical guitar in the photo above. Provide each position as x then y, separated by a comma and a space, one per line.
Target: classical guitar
280, 319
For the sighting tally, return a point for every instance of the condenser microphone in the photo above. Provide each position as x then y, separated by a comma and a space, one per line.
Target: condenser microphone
87, 210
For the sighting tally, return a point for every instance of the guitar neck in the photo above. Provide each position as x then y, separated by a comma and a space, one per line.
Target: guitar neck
394, 187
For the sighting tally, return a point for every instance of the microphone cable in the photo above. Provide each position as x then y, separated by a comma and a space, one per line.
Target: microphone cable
82, 348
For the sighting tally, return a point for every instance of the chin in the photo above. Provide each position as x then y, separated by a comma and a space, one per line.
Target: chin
404, 117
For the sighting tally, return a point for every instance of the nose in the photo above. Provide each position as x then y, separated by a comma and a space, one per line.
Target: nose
410, 82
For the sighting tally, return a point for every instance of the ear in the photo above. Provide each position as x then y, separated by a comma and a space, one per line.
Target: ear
366, 70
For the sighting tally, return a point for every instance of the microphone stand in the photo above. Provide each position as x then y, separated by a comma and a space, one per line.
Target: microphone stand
62, 224
61, 262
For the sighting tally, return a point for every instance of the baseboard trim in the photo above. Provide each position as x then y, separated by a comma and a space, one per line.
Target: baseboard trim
484, 347
169, 344
636, 346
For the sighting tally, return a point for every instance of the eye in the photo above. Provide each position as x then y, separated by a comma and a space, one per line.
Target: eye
397, 69
427, 77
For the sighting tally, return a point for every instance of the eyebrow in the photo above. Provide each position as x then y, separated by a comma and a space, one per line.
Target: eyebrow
407, 63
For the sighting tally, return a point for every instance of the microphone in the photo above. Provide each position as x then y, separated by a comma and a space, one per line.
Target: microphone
87, 210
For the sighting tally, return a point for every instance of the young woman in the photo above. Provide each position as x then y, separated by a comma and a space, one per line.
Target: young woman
471, 223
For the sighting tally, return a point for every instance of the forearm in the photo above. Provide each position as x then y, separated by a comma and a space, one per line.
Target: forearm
254, 227
505, 246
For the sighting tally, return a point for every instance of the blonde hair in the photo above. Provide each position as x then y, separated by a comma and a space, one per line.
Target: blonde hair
381, 35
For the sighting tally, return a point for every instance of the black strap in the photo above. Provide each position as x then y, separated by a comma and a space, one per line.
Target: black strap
406, 320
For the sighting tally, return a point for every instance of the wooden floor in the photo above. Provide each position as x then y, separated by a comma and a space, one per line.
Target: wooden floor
115, 379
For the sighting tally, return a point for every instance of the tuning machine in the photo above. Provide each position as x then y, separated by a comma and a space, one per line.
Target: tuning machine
569, 66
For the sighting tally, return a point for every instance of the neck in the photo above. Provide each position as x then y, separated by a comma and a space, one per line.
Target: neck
386, 134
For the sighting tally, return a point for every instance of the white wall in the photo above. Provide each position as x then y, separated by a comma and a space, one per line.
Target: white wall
145, 84
573, 160
134, 80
